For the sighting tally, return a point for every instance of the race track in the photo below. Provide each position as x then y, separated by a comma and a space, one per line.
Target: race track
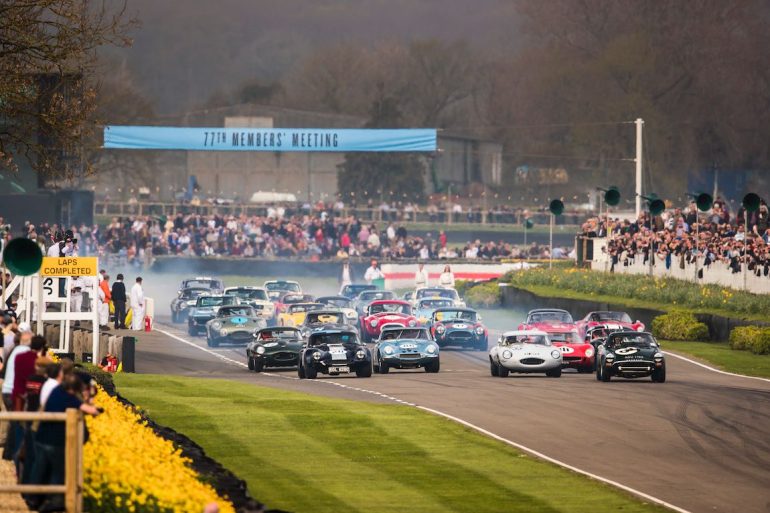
700, 441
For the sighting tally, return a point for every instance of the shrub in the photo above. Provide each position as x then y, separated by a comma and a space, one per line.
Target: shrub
679, 326
484, 295
750, 338
462, 286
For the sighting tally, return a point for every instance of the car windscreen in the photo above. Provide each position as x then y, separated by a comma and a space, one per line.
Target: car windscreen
204, 284
279, 334
302, 308
610, 316
390, 308
553, 316
244, 311
339, 302
456, 315
538, 340
193, 293
445, 293
293, 298
257, 294
318, 339
374, 295
210, 301
427, 304
354, 290
640, 340
283, 285
325, 318
415, 334
568, 338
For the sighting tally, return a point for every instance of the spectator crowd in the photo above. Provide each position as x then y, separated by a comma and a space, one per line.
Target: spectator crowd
680, 236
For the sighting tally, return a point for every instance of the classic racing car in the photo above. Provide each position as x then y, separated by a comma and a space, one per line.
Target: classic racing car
325, 318
548, 319
576, 352
184, 301
405, 348
213, 285
342, 303
362, 301
425, 308
256, 297
235, 324
630, 354
205, 309
437, 293
334, 352
295, 313
619, 319
524, 351
384, 313
455, 326
282, 286
278, 346
352, 290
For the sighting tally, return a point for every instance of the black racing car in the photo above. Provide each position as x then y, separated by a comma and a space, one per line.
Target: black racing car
278, 346
185, 301
630, 354
334, 352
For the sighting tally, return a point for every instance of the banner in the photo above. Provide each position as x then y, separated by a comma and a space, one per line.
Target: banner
268, 139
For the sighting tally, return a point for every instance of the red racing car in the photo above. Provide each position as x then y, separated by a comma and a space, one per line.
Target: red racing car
616, 320
386, 312
575, 352
550, 320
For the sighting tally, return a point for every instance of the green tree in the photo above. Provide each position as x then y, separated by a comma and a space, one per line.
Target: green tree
386, 175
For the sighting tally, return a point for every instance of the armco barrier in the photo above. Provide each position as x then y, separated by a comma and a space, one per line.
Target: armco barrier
80, 345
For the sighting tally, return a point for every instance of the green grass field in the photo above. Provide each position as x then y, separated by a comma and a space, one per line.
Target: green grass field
305, 453
722, 357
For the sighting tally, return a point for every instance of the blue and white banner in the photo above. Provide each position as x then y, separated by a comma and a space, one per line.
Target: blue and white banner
268, 139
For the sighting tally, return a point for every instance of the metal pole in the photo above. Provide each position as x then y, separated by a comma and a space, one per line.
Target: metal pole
745, 252
638, 160
525, 234
550, 243
40, 304
697, 242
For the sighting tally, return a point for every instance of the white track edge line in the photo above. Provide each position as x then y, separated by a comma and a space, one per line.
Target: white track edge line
713, 369
524, 448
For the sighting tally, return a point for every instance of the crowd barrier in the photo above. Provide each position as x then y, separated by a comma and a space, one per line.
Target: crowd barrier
120, 346
718, 273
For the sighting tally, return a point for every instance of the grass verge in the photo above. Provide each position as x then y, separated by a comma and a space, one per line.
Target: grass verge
724, 358
304, 453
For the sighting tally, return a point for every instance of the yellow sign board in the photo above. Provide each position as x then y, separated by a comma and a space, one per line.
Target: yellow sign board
69, 266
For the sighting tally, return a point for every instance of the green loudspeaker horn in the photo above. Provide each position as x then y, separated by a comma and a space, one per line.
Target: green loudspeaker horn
704, 202
23, 257
751, 202
655, 205
528, 224
556, 207
611, 195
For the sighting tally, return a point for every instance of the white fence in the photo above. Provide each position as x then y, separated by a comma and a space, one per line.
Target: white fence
717, 273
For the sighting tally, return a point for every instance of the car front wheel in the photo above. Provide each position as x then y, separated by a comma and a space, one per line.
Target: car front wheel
606, 375
433, 367
259, 365
311, 372
659, 375
493, 368
502, 372
364, 371
251, 363
191, 330
554, 373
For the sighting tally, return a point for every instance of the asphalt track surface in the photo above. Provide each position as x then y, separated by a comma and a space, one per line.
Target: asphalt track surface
699, 442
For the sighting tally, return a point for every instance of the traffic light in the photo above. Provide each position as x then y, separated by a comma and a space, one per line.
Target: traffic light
751, 202
611, 195
556, 207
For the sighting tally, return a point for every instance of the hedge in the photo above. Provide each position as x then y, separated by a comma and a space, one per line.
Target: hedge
483, 295
679, 326
750, 338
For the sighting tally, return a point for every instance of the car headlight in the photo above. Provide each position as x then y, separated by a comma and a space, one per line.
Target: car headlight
658, 356
260, 350
351, 315
589, 353
507, 354
190, 303
223, 333
412, 323
360, 354
609, 356
555, 354
373, 323
316, 356
479, 330
388, 350
640, 328
440, 328
216, 325
431, 349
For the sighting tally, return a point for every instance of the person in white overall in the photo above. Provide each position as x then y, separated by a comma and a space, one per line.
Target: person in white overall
137, 305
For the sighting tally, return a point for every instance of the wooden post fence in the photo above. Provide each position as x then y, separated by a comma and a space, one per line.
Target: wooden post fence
73, 457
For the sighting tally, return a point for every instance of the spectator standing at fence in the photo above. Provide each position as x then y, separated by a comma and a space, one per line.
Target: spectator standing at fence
137, 305
447, 278
119, 302
421, 276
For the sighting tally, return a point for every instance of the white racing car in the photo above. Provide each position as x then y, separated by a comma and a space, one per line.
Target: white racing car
527, 351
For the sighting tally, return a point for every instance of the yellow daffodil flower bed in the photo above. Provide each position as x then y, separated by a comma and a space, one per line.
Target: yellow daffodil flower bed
128, 468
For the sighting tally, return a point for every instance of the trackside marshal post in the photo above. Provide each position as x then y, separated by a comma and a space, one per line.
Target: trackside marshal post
69, 266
